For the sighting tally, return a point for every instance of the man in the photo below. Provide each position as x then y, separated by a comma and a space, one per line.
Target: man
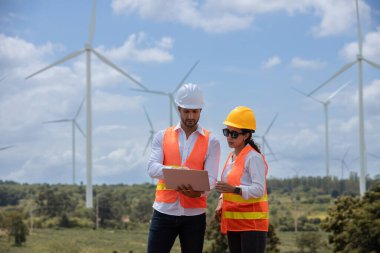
181, 212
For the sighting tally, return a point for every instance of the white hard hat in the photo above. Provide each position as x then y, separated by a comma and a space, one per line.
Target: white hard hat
190, 96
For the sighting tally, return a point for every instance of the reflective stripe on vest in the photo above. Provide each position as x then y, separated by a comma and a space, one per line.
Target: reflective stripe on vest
172, 157
240, 214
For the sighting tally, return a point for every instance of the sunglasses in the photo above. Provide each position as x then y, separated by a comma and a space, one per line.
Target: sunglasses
233, 134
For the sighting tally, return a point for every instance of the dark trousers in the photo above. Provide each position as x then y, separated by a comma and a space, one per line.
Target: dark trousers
247, 241
164, 229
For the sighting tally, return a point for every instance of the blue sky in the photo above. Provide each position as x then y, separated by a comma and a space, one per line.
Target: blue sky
251, 53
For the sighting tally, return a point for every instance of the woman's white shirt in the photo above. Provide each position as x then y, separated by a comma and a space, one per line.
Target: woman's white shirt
253, 178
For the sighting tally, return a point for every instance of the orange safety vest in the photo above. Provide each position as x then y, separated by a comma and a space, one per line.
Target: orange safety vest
172, 157
240, 214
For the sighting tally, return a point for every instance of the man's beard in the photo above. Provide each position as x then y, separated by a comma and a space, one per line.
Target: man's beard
190, 123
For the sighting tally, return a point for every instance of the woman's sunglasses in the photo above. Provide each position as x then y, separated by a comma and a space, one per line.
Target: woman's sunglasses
233, 134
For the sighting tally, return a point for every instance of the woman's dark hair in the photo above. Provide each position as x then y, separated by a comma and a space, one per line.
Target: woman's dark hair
250, 141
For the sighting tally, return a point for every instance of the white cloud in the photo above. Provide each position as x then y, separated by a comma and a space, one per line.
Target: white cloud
133, 49
186, 12
107, 102
337, 16
121, 161
271, 62
16, 52
307, 64
371, 94
225, 15
371, 49
297, 78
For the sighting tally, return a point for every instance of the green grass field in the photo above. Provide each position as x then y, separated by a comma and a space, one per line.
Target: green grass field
105, 241
81, 241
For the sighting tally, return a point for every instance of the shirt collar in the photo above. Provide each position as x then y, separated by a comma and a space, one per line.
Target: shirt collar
199, 128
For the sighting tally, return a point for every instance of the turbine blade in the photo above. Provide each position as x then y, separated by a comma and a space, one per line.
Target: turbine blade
372, 63
80, 129
92, 27
355, 159
304, 94
147, 116
359, 30
337, 91
345, 154
80, 108
373, 155
186, 76
270, 126
270, 149
66, 58
109, 63
345, 166
147, 144
344, 68
6, 147
172, 102
56, 121
150, 91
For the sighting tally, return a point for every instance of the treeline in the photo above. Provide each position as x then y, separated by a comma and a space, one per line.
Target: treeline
323, 185
296, 204
122, 206
52, 198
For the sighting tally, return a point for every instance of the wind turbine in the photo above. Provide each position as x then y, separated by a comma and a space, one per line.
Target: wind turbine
359, 60
74, 124
171, 94
88, 50
325, 104
265, 142
152, 131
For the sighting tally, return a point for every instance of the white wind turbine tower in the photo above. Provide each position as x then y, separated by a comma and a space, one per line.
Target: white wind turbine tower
171, 94
325, 104
263, 137
88, 50
152, 131
74, 124
359, 60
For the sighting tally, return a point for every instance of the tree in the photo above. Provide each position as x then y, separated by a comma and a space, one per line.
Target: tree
273, 241
15, 226
219, 244
354, 223
310, 241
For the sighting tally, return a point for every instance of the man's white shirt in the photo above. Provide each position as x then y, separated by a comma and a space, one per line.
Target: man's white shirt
155, 166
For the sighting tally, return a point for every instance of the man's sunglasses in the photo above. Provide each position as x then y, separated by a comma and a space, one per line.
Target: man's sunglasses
233, 134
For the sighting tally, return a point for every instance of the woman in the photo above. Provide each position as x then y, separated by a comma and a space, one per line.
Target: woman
243, 204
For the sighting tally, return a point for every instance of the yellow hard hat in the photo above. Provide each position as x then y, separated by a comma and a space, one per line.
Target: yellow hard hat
241, 117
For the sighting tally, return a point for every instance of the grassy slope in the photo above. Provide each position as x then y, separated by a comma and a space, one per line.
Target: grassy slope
102, 241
